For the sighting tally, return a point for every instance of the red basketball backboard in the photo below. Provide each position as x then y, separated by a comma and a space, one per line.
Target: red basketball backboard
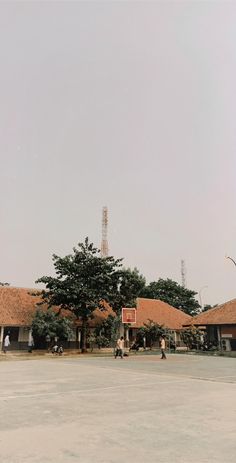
128, 315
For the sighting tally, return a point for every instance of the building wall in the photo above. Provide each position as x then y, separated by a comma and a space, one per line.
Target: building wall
23, 334
229, 329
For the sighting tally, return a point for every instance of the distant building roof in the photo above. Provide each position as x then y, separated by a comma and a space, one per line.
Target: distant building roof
160, 312
18, 307
224, 314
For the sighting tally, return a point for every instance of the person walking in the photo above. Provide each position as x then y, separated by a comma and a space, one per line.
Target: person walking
6, 343
120, 347
163, 347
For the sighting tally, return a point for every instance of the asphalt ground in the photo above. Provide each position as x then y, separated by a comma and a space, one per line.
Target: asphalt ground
100, 410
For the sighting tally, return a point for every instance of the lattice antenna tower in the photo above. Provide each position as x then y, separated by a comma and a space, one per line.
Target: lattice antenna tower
183, 273
104, 244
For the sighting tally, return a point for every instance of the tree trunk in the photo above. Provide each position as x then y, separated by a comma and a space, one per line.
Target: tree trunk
84, 335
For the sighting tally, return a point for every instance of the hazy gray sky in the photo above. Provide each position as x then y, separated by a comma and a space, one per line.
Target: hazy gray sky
126, 104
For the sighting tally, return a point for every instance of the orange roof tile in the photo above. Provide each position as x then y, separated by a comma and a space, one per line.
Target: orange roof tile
18, 306
224, 314
160, 312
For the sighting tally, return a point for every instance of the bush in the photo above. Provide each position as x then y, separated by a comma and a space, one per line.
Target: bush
49, 324
102, 341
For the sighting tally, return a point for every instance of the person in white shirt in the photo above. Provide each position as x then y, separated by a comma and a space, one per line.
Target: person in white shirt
163, 346
6, 343
120, 347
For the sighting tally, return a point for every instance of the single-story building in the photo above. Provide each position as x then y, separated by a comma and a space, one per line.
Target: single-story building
159, 312
219, 324
18, 306
17, 309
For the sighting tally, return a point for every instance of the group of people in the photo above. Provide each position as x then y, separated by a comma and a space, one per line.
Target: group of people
119, 352
120, 344
57, 349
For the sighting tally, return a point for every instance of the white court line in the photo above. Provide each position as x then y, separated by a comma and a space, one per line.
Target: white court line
85, 391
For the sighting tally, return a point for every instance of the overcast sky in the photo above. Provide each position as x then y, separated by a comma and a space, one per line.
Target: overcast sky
129, 105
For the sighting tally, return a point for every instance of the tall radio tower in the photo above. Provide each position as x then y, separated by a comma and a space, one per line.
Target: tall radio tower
183, 273
104, 243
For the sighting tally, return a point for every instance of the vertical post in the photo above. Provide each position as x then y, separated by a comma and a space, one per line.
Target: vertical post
219, 337
122, 329
175, 339
127, 336
1, 336
144, 342
79, 338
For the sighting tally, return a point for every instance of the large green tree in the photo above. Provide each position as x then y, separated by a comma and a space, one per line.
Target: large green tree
84, 281
174, 294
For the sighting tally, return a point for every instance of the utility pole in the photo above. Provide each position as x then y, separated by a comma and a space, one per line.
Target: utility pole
104, 243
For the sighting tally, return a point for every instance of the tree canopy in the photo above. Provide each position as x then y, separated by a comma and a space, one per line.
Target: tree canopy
174, 294
84, 281
128, 285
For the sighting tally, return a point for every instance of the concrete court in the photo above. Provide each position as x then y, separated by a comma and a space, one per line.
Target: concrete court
139, 409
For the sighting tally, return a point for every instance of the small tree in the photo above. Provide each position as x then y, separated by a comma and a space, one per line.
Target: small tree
49, 324
191, 337
151, 331
106, 333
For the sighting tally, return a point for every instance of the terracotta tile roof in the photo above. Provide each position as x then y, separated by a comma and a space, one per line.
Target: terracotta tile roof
18, 306
98, 316
161, 313
224, 314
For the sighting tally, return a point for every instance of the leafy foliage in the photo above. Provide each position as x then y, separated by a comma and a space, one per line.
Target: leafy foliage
84, 281
50, 324
107, 332
174, 294
128, 285
208, 307
151, 331
191, 337
102, 341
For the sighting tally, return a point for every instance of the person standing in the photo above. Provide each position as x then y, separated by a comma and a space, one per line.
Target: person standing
6, 343
163, 347
30, 343
120, 347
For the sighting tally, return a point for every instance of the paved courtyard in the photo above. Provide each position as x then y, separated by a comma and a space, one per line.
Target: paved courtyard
139, 409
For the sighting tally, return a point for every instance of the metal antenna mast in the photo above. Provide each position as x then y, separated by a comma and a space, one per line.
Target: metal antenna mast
183, 273
104, 243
